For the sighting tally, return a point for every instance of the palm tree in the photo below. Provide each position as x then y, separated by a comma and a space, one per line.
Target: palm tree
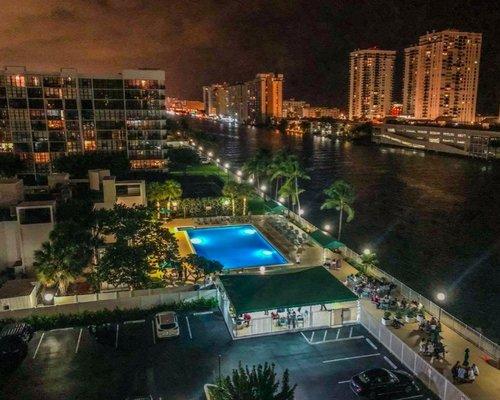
231, 190
257, 383
244, 192
276, 170
340, 195
287, 191
258, 165
160, 191
293, 172
368, 260
54, 266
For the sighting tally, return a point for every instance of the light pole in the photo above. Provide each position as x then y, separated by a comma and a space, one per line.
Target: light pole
220, 357
441, 297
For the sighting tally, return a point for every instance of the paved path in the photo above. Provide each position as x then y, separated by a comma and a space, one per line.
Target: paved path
486, 386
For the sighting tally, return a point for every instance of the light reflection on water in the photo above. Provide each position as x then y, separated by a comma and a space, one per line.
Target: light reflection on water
434, 220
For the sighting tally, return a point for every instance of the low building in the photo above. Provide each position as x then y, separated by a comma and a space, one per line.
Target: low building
461, 140
18, 294
284, 300
320, 112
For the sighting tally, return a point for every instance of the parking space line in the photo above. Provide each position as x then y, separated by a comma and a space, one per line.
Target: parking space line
136, 321
324, 336
347, 381
78, 342
39, 343
338, 340
305, 337
153, 330
338, 334
371, 344
116, 340
203, 313
312, 337
350, 358
61, 329
350, 332
189, 328
394, 366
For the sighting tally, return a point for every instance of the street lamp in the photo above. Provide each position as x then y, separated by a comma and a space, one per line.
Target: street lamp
327, 227
441, 296
263, 188
366, 251
281, 199
250, 180
226, 165
239, 173
217, 161
210, 154
262, 270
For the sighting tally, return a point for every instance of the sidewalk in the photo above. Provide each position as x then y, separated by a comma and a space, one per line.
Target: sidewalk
487, 384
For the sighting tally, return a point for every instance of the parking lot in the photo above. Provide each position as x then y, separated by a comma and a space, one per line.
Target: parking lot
70, 364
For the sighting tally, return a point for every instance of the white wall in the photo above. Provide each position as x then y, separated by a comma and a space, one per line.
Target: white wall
9, 244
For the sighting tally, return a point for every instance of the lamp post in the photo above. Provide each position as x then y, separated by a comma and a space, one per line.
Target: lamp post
441, 297
220, 357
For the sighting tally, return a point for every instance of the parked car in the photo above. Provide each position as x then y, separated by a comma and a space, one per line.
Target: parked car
13, 350
166, 324
20, 329
104, 333
381, 383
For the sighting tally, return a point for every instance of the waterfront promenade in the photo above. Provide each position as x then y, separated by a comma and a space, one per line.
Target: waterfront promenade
486, 386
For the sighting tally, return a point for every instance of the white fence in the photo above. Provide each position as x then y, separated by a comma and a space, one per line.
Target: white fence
464, 330
439, 384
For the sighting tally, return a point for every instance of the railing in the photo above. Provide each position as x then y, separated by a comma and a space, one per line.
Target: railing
460, 327
435, 381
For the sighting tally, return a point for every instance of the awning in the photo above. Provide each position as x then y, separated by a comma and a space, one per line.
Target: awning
282, 289
273, 207
325, 240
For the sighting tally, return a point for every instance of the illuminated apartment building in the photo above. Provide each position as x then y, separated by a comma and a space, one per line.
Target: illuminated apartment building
294, 108
265, 97
370, 83
445, 73
45, 115
215, 98
237, 102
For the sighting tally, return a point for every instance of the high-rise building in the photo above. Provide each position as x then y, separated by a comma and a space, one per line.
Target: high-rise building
238, 102
410, 80
215, 98
446, 76
45, 115
265, 97
370, 83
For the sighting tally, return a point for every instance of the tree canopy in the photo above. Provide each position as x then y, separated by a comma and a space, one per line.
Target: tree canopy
10, 165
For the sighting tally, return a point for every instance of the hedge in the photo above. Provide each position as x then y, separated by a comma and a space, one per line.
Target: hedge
48, 322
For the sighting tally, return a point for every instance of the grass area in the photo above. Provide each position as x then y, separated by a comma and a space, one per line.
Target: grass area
203, 170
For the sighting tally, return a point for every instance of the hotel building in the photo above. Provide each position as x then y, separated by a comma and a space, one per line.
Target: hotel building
441, 76
215, 99
46, 115
370, 83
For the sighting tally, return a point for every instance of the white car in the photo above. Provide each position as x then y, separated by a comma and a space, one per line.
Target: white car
166, 324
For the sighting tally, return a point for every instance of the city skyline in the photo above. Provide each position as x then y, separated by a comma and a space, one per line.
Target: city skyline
203, 43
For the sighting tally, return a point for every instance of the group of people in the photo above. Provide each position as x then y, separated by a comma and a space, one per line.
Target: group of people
463, 373
365, 286
332, 264
292, 318
432, 348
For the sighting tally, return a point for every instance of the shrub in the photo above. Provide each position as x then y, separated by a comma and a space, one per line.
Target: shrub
48, 322
387, 315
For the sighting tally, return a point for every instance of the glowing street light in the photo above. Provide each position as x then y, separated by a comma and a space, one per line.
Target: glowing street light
301, 211
262, 270
281, 199
239, 173
200, 148
250, 180
210, 154
226, 165
263, 188
441, 296
327, 227
366, 251
217, 161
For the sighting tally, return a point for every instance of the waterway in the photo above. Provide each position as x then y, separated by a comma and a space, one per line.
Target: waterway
433, 220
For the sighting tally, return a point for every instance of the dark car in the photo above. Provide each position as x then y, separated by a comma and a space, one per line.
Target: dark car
13, 350
380, 383
20, 329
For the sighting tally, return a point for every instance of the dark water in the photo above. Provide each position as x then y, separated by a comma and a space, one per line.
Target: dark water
433, 220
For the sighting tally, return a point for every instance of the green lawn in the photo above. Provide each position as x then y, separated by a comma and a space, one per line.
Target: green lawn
203, 169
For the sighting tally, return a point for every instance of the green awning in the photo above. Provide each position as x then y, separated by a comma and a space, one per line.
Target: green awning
273, 207
285, 288
325, 240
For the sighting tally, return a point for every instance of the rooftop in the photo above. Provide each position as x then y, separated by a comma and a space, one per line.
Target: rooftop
284, 288
16, 287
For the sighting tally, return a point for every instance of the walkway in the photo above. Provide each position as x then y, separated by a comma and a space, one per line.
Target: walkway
486, 386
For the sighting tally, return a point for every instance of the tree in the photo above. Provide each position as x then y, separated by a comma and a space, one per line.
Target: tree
276, 170
259, 383
64, 257
340, 195
258, 165
122, 264
291, 170
10, 165
287, 191
368, 260
160, 191
200, 266
244, 192
231, 190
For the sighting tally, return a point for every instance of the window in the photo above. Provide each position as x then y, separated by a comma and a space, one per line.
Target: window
16, 80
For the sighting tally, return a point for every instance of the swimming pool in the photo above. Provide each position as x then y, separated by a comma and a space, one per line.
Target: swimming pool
235, 246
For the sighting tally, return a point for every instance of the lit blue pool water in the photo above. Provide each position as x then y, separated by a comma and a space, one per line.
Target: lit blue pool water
235, 246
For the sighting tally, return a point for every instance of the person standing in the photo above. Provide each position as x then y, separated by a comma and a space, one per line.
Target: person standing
454, 371
466, 357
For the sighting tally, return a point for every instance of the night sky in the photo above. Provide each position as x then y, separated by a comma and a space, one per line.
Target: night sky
199, 42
